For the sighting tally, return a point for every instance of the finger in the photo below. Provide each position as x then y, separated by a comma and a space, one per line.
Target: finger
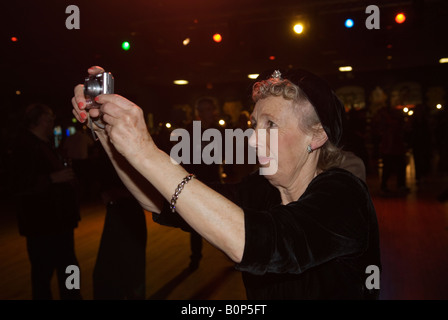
81, 104
116, 99
75, 106
108, 119
112, 110
94, 113
95, 70
108, 129
79, 97
80, 115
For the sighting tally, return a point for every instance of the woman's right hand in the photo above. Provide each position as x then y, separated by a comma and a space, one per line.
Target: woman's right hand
79, 101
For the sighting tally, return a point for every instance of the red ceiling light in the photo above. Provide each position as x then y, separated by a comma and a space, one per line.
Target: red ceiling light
400, 17
271, 57
14, 39
217, 37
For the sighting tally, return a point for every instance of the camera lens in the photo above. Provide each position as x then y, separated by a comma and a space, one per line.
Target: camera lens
92, 87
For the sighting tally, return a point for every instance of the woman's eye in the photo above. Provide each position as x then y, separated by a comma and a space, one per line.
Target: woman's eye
271, 124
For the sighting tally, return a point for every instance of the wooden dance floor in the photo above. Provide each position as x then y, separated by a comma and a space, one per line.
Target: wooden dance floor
414, 243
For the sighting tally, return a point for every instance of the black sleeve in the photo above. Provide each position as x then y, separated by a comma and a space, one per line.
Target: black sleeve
327, 222
170, 219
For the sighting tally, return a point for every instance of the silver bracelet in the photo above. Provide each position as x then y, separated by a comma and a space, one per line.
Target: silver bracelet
179, 190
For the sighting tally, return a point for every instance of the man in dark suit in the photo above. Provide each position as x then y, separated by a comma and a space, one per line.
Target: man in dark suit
47, 204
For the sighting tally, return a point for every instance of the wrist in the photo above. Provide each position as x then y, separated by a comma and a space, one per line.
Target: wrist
150, 153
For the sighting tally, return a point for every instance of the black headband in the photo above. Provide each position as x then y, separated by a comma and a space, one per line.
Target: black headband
329, 108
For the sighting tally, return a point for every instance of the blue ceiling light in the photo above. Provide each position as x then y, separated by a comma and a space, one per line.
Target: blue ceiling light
349, 23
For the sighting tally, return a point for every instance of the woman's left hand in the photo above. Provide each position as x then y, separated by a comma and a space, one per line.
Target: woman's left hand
125, 126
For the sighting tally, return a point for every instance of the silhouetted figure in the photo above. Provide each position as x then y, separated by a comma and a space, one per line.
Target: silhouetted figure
120, 268
244, 156
421, 142
390, 128
441, 133
47, 204
75, 148
206, 111
355, 135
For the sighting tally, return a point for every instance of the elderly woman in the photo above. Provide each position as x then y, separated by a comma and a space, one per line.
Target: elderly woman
306, 231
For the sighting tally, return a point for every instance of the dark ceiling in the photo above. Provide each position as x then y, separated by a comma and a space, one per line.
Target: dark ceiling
48, 60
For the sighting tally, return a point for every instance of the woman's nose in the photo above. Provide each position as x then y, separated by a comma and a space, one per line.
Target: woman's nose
258, 139
253, 139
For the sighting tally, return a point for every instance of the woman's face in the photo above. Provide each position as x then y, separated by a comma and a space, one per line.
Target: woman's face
281, 145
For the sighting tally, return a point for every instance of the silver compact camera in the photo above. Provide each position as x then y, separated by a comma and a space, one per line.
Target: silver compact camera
102, 83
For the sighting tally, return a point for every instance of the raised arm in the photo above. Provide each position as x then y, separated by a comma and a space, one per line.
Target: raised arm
142, 190
148, 197
216, 218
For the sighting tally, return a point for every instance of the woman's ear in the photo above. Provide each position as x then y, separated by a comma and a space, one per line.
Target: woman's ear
319, 137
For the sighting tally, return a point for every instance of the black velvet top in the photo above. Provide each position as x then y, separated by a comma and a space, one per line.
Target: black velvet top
317, 247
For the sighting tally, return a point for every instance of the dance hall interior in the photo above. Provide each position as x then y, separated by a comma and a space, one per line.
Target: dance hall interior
386, 61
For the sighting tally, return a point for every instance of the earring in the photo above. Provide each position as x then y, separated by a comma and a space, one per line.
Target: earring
308, 149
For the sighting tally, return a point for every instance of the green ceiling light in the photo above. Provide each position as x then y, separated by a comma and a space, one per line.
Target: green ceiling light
125, 45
